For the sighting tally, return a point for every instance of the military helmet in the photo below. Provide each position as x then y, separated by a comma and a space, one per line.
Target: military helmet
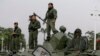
16, 23
62, 28
78, 30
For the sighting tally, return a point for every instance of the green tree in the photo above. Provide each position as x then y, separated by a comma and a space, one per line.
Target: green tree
91, 39
6, 33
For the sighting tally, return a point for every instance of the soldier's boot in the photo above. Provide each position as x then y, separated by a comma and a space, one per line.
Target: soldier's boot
55, 31
35, 43
31, 46
48, 38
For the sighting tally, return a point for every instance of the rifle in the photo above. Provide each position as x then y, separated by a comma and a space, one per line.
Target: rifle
39, 17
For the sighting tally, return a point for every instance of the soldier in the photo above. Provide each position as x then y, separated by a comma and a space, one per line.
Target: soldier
51, 16
33, 31
77, 45
64, 40
15, 38
58, 42
62, 29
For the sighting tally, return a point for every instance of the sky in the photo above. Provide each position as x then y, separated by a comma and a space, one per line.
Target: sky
71, 13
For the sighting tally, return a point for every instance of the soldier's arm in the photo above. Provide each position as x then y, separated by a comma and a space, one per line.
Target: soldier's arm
38, 25
82, 45
30, 26
70, 44
55, 13
19, 31
45, 17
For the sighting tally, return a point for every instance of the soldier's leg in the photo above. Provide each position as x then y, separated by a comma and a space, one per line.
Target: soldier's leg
48, 32
31, 44
18, 43
12, 44
52, 25
35, 38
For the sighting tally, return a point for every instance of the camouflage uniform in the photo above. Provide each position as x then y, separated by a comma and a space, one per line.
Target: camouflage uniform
16, 40
58, 42
64, 40
33, 33
51, 18
77, 45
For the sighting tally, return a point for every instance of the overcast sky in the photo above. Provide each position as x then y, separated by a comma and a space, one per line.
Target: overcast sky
71, 13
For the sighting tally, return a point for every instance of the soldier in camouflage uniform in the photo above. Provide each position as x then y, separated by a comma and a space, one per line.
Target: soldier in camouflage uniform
33, 31
64, 40
51, 16
15, 38
78, 44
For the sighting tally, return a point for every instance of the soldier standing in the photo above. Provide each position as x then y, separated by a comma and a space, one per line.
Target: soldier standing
51, 16
15, 38
33, 31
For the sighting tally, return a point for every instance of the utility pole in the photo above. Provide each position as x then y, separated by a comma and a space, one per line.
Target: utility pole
2, 39
96, 14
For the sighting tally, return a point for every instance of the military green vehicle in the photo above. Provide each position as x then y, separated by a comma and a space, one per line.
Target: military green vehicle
57, 50
54, 47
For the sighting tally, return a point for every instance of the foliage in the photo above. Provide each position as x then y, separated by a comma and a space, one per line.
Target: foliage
6, 33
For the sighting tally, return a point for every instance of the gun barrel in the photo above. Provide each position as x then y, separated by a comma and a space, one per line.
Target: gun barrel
39, 17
